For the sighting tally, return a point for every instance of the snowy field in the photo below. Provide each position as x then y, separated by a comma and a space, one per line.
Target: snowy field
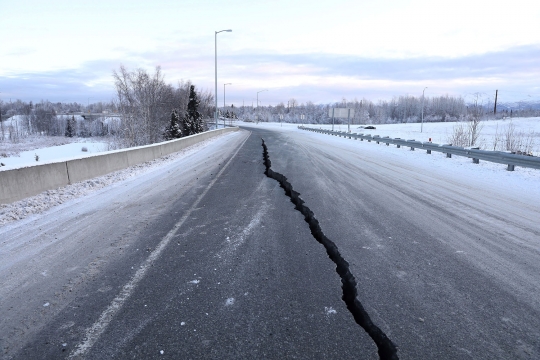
48, 154
441, 133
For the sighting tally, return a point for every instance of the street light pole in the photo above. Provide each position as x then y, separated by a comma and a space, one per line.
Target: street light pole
422, 126
258, 96
215, 53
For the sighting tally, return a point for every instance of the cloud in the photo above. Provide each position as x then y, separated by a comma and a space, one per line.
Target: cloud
519, 60
317, 77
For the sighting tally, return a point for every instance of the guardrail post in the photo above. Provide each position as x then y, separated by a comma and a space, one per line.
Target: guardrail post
510, 167
475, 160
448, 155
429, 151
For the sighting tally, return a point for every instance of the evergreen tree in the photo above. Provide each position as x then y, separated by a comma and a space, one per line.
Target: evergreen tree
70, 127
192, 122
233, 113
186, 125
173, 131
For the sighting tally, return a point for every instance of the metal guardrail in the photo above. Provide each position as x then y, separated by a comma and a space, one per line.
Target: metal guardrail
500, 157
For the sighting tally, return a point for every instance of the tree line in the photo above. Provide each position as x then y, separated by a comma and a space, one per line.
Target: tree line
147, 110
400, 109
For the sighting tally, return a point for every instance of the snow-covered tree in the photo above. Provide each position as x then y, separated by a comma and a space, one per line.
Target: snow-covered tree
173, 130
70, 127
192, 121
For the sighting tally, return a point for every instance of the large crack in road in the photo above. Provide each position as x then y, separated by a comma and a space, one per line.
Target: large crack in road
386, 348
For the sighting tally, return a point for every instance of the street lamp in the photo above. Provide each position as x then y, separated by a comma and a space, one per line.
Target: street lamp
422, 126
258, 96
215, 48
224, 94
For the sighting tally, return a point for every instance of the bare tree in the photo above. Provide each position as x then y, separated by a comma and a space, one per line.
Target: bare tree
143, 101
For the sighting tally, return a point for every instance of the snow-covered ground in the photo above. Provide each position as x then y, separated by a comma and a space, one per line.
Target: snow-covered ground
50, 154
440, 133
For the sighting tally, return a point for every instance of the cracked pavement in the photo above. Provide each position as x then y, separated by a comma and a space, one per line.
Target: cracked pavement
443, 268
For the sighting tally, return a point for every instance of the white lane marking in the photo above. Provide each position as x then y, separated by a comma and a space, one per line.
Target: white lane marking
93, 333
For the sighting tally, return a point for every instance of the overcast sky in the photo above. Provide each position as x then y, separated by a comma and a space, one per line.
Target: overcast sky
319, 51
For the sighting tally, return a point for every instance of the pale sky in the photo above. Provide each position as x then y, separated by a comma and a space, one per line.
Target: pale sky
308, 50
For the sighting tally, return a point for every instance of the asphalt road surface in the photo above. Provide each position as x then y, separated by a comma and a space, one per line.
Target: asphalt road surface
210, 258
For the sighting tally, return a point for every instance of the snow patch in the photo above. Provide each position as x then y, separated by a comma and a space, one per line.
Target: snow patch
329, 310
229, 302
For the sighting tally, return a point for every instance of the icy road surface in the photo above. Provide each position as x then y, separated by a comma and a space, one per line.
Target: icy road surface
207, 257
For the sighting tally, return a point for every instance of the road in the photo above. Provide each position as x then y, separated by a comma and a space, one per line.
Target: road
210, 258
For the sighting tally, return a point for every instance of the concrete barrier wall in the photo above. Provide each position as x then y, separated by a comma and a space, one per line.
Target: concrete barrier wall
94, 166
144, 154
18, 184
21, 183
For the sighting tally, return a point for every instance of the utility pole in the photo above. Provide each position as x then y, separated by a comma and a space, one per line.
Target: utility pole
495, 108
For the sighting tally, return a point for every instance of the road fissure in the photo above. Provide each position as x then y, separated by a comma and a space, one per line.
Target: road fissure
386, 348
